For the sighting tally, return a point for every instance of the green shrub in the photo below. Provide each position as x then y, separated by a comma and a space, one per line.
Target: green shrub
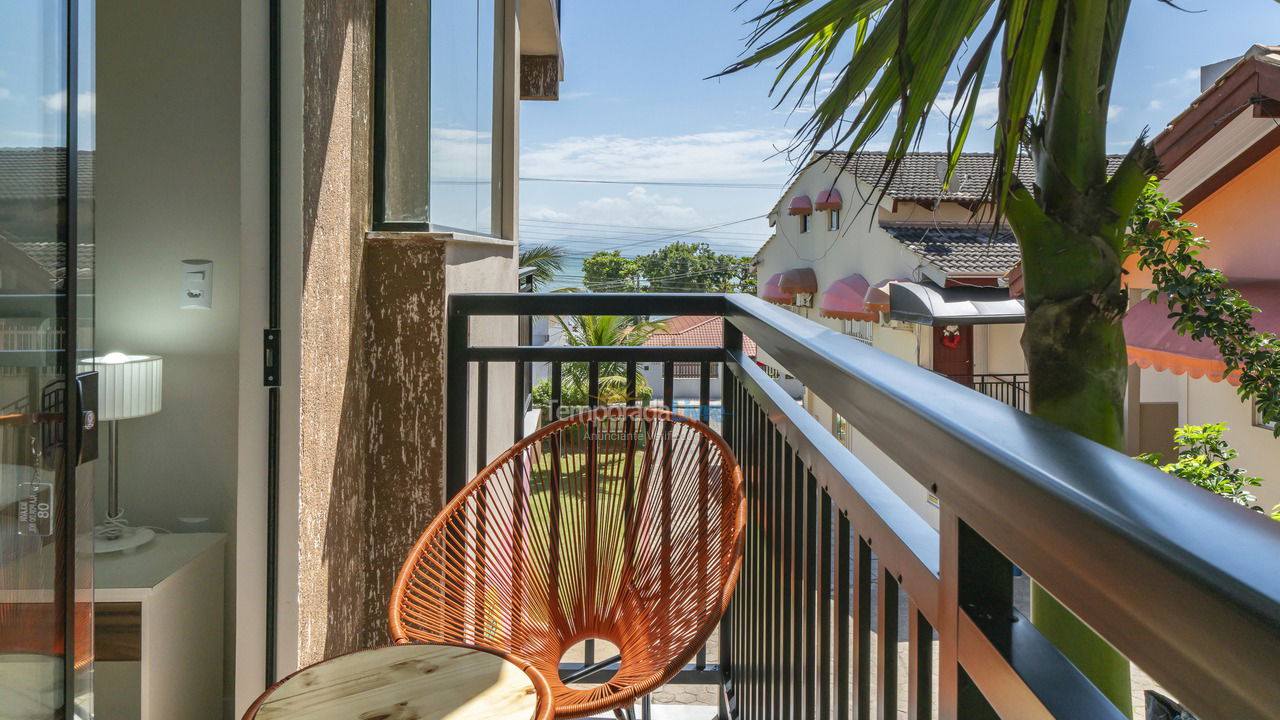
1203, 459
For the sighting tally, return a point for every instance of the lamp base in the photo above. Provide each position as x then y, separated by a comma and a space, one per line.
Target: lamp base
128, 538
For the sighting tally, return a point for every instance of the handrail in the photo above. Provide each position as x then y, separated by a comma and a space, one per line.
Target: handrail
1149, 561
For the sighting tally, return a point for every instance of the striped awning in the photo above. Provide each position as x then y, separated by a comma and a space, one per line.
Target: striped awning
800, 205
846, 299
773, 292
799, 280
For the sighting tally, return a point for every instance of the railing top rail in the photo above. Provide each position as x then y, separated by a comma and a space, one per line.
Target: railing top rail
1151, 562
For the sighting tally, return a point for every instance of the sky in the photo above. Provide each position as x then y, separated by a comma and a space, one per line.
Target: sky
638, 118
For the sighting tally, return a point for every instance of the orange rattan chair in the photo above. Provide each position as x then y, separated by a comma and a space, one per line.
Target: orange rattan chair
624, 524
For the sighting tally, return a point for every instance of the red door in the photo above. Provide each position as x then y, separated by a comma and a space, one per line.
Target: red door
953, 351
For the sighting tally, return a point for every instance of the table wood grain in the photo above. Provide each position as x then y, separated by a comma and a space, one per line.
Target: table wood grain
406, 682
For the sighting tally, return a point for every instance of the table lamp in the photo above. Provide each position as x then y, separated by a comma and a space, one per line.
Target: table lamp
128, 387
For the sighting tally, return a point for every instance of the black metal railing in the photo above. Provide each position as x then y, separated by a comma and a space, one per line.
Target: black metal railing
1012, 389
840, 569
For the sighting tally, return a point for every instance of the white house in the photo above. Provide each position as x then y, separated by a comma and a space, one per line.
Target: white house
910, 267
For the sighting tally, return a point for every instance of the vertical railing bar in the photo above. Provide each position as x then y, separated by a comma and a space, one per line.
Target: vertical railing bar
797, 586
919, 665
776, 664
521, 392
861, 644
457, 402
826, 600
482, 414
753, 587
669, 384
843, 589
631, 383
557, 389
704, 416
811, 592
887, 645
593, 401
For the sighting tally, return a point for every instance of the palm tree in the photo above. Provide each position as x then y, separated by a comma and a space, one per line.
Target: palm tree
606, 330
546, 260
1056, 60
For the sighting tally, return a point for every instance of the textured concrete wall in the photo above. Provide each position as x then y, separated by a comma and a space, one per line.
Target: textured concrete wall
331, 512
404, 334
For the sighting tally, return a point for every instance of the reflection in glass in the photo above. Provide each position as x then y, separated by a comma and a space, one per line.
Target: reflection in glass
405, 114
462, 83
34, 283
437, 113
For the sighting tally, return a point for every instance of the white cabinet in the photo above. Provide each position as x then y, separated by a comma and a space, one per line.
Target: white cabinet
158, 630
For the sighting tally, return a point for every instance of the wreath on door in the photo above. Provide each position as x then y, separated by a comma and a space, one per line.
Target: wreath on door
951, 336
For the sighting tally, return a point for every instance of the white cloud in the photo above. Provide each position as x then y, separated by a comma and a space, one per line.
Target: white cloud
736, 155
1186, 77
1155, 104
86, 102
6, 94
1114, 111
638, 207
574, 95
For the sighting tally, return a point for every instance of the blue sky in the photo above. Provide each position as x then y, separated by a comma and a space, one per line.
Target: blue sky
635, 106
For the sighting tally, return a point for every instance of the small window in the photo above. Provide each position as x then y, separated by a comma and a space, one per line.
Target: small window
833, 220
860, 329
1257, 419
804, 223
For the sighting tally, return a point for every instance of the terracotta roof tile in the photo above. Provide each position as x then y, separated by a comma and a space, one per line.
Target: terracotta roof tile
694, 331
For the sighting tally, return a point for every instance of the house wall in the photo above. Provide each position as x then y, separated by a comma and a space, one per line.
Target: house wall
1202, 401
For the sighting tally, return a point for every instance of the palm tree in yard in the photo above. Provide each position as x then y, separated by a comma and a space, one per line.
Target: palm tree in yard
606, 330
546, 260
1056, 61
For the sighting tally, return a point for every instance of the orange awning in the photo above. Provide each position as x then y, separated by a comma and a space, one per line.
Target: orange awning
1153, 343
774, 293
846, 299
799, 280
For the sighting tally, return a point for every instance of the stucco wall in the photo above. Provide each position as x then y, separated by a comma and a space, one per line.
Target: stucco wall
1240, 222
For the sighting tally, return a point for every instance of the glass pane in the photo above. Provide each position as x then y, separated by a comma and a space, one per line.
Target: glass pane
462, 82
406, 113
34, 280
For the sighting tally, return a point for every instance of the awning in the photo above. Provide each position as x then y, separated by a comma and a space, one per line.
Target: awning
829, 200
799, 280
877, 299
1153, 343
774, 293
846, 299
800, 205
925, 303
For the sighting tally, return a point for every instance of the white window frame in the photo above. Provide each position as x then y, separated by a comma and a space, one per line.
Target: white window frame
1257, 419
804, 223
833, 219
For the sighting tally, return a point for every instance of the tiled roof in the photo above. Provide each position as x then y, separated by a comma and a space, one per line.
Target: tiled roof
37, 173
919, 175
959, 248
694, 331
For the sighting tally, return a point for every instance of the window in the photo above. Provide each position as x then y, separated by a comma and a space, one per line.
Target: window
804, 223
833, 220
1257, 419
859, 329
434, 123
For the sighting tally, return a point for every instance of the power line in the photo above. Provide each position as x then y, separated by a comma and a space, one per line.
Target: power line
664, 183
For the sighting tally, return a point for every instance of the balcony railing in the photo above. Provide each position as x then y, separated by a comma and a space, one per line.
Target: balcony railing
839, 568
1012, 389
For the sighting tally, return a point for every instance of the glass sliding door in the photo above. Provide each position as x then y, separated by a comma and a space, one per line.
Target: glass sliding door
47, 394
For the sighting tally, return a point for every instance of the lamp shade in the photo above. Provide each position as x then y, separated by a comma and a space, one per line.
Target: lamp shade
128, 385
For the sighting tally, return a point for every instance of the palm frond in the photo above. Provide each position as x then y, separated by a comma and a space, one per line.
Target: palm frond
546, 260
893, 59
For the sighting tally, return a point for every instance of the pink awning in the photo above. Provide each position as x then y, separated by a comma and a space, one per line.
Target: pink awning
800, 205
799, 280
1152, 341
829, 200
877, 298
773, 292
846, 299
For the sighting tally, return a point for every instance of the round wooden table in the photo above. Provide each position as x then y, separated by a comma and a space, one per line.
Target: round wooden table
409, 682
